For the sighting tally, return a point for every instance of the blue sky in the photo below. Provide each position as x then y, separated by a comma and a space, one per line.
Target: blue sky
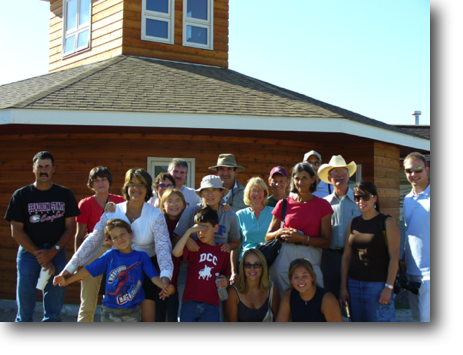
370, 57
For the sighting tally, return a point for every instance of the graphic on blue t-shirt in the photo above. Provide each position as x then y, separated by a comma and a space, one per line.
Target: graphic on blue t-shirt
126, 289
222, 230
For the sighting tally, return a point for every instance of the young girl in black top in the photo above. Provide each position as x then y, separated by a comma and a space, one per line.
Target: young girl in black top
304, 301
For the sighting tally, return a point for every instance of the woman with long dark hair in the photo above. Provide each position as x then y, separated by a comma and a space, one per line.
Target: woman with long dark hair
306, 228
370, 259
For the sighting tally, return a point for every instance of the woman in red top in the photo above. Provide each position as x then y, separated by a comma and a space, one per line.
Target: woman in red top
306, 228
91, 209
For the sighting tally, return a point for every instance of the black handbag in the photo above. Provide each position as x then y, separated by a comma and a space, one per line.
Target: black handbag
271, 249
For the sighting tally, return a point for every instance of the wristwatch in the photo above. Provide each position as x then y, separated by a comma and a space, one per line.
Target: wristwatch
389, 286
57, 247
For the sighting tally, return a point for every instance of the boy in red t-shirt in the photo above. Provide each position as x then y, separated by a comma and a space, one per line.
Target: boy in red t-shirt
200, 302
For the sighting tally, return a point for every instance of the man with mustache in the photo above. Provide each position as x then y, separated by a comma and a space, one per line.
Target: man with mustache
227, 170
337, 173
42, 218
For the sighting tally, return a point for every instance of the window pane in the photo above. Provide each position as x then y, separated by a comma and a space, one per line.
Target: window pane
84, 11
196, 35
197, 9
71, 14
82, 40
158, 5
156, 28
69, 44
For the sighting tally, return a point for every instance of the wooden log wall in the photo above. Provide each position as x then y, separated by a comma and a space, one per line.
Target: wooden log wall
76, 154
116, 29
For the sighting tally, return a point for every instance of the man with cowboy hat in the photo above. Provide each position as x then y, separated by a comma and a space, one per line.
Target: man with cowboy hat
337, 173
227, 170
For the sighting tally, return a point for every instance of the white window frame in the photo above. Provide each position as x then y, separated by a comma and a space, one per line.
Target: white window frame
75, 31
153, 162
209, 25
159, 16
358, 176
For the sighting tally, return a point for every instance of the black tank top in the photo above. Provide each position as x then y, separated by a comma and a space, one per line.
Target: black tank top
307, 311
246, 314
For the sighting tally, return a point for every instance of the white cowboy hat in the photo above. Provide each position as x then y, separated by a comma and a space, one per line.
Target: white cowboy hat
211, 181
336, 161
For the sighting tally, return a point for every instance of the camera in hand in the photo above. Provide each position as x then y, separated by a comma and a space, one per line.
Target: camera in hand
401, 281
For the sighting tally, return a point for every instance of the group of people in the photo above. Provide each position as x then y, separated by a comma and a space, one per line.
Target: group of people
338, 252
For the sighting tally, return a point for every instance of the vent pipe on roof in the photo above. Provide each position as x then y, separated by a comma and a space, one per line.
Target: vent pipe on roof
417, 117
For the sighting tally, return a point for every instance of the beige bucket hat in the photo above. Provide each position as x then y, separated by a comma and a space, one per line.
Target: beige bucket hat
226, 160
336, 161
211, 181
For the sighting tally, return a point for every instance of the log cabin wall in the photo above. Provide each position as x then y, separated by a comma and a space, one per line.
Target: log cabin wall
106, 34
116, 29
76, 154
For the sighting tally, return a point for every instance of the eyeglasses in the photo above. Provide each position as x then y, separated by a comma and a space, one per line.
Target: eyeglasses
255, 266
138, 186
364, 197
316, 162
414, 170
170, 186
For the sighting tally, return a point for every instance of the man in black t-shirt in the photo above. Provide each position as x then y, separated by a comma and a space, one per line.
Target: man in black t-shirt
42, 217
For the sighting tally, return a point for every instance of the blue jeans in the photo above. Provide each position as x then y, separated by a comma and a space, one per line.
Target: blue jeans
364, 305
26, 292
193, 311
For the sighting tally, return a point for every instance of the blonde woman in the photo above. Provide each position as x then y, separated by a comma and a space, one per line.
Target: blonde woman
304, 301
253, 296
253, 221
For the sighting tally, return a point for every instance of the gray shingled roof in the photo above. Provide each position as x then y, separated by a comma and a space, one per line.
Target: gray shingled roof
134, 84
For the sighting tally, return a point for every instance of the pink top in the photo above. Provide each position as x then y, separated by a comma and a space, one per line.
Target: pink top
305, 217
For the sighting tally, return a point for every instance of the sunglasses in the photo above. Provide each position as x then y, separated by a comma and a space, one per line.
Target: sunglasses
414, 170
170, 186
364, 197
255, 266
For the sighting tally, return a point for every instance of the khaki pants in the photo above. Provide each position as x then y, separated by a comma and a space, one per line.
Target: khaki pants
89, 293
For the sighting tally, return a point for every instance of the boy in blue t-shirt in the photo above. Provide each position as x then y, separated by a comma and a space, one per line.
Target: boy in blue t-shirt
124, 270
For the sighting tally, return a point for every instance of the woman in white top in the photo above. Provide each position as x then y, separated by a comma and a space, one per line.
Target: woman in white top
150, 234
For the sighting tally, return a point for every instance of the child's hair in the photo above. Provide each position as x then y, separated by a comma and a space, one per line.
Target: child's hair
306, 264
168, 193
207, 215
114, 223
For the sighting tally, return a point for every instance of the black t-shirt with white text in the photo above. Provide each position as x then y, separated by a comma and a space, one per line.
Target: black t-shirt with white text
43, 213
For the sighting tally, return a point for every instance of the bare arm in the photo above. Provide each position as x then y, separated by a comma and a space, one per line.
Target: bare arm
275, 301
274, 230
284, 313
393, 242
21, 237
62, 281
324, 241
178, 250
44, 256
345, 262
231, 305
330, 308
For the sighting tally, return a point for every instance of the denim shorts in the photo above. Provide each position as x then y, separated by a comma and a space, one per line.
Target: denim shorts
193, 311
364, 302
